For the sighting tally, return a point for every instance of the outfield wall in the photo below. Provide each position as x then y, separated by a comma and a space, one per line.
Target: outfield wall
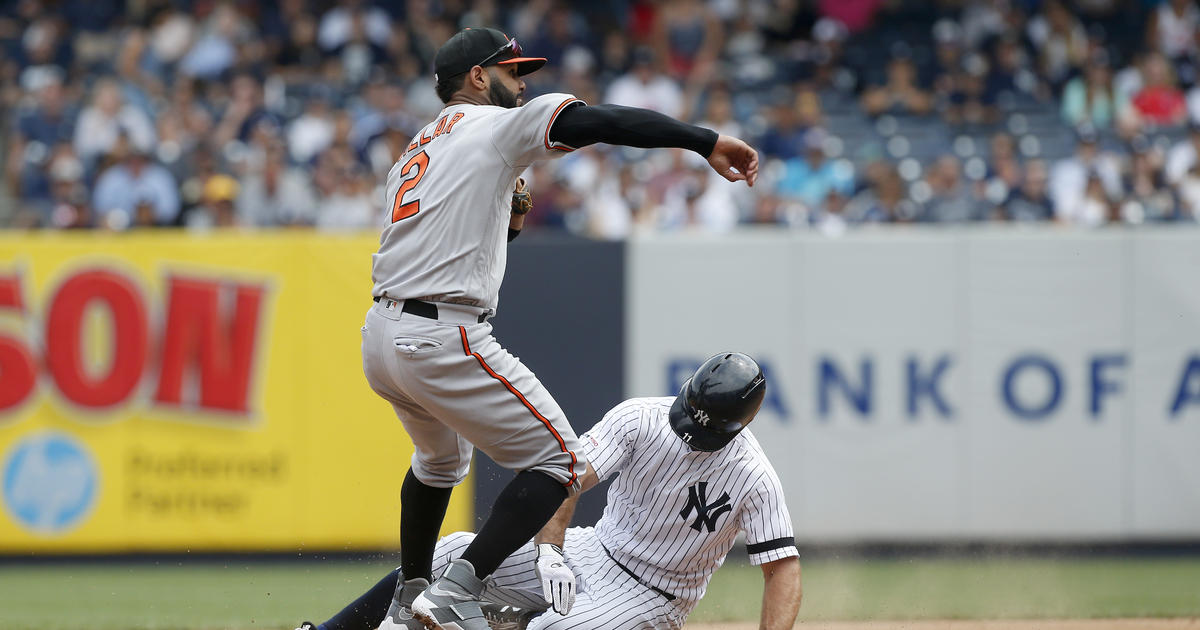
168, 392
934, 385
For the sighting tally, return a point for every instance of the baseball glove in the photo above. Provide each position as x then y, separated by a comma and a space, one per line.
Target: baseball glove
522, 200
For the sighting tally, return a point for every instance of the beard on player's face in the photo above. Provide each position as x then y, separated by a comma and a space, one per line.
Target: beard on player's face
500, 95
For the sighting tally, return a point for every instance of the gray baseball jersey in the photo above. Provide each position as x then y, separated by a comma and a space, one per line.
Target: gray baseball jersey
450, 196
672, 516
449, 381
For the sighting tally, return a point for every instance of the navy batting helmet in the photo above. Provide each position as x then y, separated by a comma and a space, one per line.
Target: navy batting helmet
718, 401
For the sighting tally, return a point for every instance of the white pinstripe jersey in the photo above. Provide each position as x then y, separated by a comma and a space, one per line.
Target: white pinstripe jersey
673, 513
449, 197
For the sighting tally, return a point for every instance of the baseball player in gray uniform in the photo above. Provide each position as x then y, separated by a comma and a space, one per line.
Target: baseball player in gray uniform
689, 479
427, 344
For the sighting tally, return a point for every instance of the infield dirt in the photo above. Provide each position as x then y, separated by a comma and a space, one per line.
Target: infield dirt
998, 624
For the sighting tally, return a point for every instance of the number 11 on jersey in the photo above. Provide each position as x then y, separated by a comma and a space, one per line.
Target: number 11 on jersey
413, 170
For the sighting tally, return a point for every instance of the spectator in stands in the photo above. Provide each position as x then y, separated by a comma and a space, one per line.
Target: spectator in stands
645, 86
69, 204
899, 94
1159, 102
106, 119
1060, 40
808, 179
245, 110
947, 58
619, 200
1004, 165
274, 193
216, 209
1089, 98
256, 63
691, 200
313, 131
345, 188
883, 200
1189, 194
339, 25
184, 124
790, 121
217, 46
1071, 185
1173, 27
857, 15
1148, 197
1011, 74
1031, 201
1193, 103
689, 36
717, 113
969, 101
1184, 156
133, 181
830, 217
1093, 208
950, 198
37, 131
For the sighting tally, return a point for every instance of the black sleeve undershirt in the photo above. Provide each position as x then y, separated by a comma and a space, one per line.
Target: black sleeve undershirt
581, 125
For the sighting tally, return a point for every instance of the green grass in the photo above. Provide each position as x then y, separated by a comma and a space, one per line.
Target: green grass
970, 589
274, 596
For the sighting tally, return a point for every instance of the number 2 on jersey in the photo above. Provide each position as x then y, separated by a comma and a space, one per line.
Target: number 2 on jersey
400, 208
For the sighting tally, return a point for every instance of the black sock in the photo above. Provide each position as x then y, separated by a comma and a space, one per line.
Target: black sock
422, 509
368, 611
522, 508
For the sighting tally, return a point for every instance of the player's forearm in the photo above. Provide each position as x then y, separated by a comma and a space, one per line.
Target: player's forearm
582, 125
555, 530
781, 594
515, 223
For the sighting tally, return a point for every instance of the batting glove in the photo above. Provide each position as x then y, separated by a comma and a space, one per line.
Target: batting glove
558, 581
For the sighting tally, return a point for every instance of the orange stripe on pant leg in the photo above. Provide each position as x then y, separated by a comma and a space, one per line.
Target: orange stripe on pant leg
562, 444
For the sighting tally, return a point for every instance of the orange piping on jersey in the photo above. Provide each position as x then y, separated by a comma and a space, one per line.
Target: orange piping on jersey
561, 444
551, 124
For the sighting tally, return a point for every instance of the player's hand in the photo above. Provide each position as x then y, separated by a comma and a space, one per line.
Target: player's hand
558, 581
734, 160
522, 200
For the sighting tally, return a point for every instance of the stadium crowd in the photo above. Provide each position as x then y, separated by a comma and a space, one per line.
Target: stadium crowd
201, 113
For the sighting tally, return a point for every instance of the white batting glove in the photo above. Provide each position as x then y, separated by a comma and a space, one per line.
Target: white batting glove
558, 581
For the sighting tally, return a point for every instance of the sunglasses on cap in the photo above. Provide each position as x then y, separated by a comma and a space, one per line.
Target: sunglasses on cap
511, 45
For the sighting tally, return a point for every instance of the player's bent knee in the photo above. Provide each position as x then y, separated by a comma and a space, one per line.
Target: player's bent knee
439, 476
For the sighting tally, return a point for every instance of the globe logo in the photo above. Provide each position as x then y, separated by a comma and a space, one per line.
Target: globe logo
49, 482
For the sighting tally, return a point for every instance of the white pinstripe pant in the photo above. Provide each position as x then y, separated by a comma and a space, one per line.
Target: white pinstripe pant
608, 598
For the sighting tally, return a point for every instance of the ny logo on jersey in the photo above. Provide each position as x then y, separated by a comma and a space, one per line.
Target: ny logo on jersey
706, 513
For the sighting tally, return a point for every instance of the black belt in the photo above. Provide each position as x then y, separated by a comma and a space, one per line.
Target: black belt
423, 309
633, 575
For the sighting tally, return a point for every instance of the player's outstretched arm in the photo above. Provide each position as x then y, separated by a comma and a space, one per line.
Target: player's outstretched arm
781, 594
558, 581
581, 125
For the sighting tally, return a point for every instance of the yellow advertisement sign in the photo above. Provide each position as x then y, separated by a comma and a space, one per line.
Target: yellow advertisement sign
167, 392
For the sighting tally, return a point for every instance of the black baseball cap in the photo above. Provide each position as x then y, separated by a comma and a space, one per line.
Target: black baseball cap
472, 47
